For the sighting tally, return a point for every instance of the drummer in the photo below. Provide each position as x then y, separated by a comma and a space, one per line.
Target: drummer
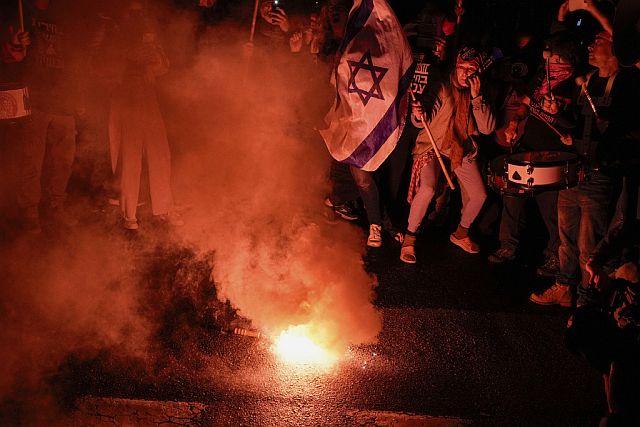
534, 129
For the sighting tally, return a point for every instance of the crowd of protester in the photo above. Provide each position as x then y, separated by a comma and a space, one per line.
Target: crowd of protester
553, 93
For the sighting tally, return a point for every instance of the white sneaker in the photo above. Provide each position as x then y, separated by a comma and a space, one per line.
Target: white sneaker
375, 236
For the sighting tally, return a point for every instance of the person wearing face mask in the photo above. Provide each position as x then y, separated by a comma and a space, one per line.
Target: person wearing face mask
531, 129
604, 113
455, 113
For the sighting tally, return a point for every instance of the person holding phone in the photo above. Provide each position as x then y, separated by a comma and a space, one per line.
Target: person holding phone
136, 127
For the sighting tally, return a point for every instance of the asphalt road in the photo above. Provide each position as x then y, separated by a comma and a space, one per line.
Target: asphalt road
460, 342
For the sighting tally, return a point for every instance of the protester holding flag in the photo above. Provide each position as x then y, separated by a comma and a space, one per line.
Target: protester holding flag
371, 77
455, 112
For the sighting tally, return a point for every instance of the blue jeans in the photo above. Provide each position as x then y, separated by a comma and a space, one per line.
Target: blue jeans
583, 217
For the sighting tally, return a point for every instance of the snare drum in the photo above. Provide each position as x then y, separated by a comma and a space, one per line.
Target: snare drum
543, 170
14, 102
498, 181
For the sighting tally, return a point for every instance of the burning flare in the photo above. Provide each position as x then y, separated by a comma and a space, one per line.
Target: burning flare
296, 345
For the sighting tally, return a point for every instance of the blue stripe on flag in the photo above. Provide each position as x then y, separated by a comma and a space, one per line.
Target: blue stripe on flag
356, 22
385, 127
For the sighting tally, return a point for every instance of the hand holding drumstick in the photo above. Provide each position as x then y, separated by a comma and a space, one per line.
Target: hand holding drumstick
550, 105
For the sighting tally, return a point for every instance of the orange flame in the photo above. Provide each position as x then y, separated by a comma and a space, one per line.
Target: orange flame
296, 345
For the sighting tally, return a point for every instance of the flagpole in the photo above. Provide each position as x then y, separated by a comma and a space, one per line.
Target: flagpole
21, 19
253, 21
456, 37
249, 48
21, 15
433, 144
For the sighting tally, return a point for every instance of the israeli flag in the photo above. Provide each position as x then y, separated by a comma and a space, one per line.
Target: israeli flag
371, 79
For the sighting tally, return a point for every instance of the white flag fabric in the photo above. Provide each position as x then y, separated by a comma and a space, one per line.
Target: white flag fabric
372, 78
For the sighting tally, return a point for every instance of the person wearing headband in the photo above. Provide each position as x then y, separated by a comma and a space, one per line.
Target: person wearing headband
455, 112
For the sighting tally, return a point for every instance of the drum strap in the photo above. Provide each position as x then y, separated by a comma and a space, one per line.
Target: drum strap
599, 101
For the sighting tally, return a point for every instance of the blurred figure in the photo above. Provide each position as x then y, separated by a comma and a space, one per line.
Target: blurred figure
136, 127
14, 105
51, 73
93, 166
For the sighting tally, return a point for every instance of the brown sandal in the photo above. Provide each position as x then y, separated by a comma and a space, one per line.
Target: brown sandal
407, 252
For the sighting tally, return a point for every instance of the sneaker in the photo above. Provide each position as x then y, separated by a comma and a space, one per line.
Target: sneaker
502, 255
343, 210
346, 212
555, 295
375, 236
131, 224
550, 267
465, 243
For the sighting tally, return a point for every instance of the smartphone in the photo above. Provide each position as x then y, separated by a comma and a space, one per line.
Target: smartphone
277, 4
577, 5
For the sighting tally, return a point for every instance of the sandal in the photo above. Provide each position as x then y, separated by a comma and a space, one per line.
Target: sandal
407, 252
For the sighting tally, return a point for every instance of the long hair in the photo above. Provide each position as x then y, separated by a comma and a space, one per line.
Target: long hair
462, 124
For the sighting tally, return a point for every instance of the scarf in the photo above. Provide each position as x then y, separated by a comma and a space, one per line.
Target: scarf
557, 74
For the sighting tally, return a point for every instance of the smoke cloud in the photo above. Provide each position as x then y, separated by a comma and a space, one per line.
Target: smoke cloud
250, 174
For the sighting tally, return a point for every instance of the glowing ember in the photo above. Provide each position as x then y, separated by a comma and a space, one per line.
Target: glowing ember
296, 346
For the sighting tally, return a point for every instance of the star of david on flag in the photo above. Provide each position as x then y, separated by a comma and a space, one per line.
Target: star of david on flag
371, 78
377, 74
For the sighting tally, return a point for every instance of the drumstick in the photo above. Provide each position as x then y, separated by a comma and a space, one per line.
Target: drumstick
546, 54
553, 128
433, 143
582, 82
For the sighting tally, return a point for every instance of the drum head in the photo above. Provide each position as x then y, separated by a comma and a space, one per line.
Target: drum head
547, 158
497, 179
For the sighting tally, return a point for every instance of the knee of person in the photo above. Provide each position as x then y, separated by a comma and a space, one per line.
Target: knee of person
480, 196
427, 191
